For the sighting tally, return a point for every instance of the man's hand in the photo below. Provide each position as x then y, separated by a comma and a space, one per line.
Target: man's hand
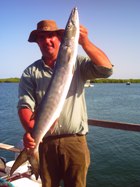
29, 142
83, 37
97, 56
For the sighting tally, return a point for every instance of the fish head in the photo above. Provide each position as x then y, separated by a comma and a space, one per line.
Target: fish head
72, 27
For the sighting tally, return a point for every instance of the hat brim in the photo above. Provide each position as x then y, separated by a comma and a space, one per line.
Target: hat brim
34, 33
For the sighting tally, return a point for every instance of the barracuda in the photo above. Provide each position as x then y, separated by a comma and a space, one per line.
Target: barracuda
54, 98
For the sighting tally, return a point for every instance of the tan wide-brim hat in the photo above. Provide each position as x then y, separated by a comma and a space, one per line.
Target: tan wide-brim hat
44, 26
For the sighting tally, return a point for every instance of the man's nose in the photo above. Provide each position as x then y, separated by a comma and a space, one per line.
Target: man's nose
48, 39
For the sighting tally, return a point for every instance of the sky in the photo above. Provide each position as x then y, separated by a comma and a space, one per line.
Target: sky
113, 26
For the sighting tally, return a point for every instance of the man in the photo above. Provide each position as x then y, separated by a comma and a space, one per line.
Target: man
63, 152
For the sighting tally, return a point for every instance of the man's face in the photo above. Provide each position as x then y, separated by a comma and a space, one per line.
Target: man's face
49, 43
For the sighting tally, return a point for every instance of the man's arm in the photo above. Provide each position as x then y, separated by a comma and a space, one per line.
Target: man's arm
25, 115
97, 56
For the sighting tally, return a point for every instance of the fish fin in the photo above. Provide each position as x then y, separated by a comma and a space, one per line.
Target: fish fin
34, 161
53, 126
33, 116
73, 69
22, 157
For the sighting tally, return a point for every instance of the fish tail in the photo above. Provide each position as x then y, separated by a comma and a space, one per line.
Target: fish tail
22, 157
34, 161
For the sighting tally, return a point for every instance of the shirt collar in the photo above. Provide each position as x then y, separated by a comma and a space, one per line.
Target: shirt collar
45, 65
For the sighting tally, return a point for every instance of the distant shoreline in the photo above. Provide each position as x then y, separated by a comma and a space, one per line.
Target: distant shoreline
116, 81
16, 80
10, 80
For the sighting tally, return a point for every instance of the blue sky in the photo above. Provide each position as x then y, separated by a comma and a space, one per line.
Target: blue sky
113, 25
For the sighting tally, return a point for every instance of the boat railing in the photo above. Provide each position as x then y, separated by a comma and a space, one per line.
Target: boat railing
92, 122
114, 125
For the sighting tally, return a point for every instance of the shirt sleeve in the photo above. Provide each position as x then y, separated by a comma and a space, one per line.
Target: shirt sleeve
91, 71
26, 92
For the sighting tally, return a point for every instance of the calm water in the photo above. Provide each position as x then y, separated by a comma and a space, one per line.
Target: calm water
115, 154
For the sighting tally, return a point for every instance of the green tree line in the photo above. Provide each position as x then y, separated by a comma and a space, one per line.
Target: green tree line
16, 80
10, 80
116, 81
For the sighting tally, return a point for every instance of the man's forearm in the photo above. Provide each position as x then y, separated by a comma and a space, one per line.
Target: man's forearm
97, 56
25, 115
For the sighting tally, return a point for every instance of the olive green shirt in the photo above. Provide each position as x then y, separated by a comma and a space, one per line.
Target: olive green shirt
73, 117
